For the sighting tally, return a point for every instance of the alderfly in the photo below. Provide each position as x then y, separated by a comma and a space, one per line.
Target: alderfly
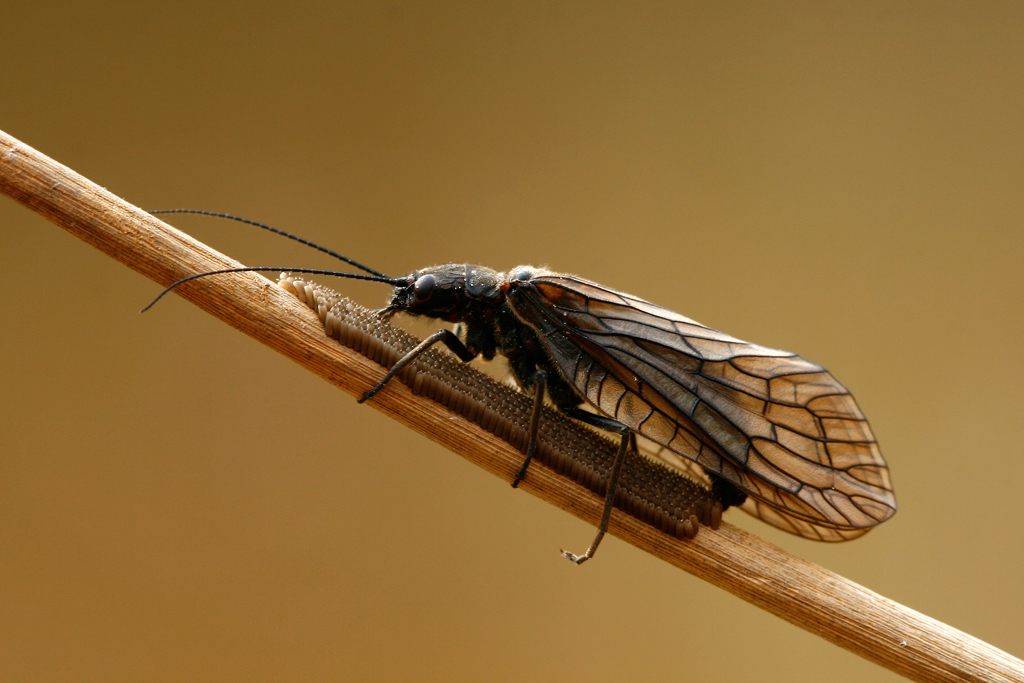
769, 430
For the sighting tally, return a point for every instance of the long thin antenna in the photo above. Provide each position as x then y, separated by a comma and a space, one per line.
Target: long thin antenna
275, 269
217, 214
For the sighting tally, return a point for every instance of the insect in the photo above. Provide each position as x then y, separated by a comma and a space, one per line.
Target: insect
769, 430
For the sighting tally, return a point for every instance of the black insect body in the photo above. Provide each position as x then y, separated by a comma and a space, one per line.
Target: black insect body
767, 428
480, 299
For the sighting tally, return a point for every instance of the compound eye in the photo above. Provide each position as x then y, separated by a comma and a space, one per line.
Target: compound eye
522, 275
423, 288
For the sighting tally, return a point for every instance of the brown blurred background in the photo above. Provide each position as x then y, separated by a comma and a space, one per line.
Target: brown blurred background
846, 182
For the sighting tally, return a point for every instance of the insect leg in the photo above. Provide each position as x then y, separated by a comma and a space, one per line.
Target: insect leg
540, 383
446, 336
613, 477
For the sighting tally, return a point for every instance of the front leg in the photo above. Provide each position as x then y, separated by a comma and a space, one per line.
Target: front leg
446, 336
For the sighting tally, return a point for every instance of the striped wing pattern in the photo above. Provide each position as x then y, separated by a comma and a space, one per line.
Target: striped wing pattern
779, 427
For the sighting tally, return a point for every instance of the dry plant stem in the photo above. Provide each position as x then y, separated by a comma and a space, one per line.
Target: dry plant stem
800, 592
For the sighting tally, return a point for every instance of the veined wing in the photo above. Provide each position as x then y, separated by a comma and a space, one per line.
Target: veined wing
777, 426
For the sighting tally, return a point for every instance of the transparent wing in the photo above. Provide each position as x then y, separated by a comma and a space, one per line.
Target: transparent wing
777, 426
752, 505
